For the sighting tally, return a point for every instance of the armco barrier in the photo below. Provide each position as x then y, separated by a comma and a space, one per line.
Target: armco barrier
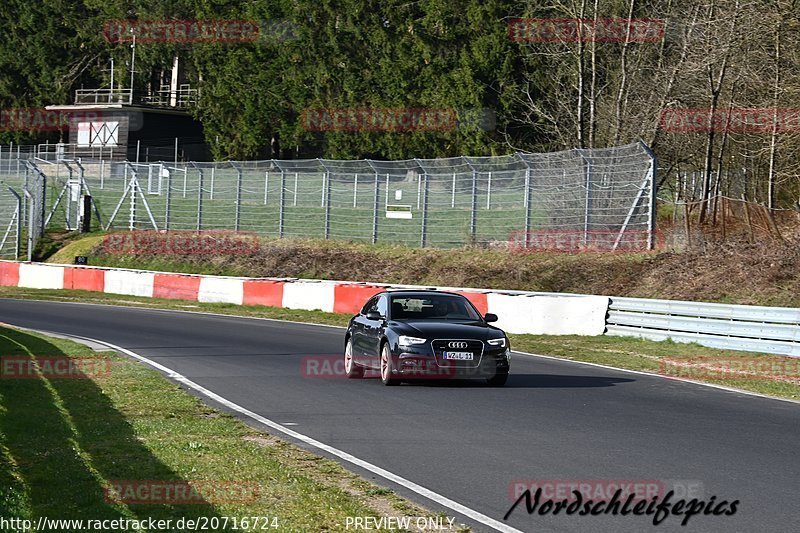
40, 276
221, 289
130, 282
9, 274
311, 295
263, 292
519, 312
774, 330
478, 299
87, 279
549, 314
350, 297
177, 286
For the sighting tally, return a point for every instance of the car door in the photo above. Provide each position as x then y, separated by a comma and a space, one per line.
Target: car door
373, 331
358, 330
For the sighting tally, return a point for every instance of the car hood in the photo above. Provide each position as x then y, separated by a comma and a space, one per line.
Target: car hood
446, 329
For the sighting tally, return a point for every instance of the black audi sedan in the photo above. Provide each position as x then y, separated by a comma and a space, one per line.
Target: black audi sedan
408, 335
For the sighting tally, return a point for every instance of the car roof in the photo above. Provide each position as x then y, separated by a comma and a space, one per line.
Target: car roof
419, 293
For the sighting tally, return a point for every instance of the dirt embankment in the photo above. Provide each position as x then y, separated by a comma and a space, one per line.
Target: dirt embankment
758, 274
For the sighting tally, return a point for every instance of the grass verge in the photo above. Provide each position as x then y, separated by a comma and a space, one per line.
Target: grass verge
64, 441
765, 374
758, 274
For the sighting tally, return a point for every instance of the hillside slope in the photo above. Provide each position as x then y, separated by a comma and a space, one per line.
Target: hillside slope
757, 274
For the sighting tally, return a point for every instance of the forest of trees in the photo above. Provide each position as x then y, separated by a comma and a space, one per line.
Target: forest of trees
715, 55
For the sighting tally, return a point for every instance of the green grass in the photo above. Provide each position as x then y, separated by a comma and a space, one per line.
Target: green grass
62, 441
657, 357
84, 246
620, 352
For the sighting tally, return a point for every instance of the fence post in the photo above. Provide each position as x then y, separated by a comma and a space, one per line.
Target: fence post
199, 199
38, 205
132, 213
375, 209
169, 196
424, 236
588, 206
355, 191
453, 198
25, 204
527, 183
19, 226
651, 222
266, 186
527, 236
588, 203
474, 207
419, 190
211, 191
237, 221
327, 204
30, 225
282, 201
687, 226
489, 192
325, 177
42, 210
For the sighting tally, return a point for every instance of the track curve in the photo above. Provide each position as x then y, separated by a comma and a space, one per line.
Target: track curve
555, 420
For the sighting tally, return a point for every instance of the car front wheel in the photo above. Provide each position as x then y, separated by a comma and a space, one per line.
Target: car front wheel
386, 366
498, 380
351, 369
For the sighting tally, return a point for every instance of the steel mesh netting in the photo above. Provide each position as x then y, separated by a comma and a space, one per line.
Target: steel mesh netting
592, 199
12, 199
589, 199
10, 211
35, 191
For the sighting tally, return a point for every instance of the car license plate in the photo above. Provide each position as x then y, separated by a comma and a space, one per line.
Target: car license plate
458, 356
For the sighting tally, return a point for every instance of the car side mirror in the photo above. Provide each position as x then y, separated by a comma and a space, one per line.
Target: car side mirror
373, 315
490, 317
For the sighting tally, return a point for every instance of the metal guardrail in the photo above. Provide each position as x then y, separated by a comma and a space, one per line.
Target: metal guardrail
103, 96
774, 330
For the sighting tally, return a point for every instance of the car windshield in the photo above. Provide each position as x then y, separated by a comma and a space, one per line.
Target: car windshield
434, 307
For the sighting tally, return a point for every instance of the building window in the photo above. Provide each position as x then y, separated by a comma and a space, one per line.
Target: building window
98, 133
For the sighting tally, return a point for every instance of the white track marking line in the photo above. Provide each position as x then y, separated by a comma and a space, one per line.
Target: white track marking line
410, 485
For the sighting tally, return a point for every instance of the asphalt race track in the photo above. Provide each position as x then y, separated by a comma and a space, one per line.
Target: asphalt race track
555, 420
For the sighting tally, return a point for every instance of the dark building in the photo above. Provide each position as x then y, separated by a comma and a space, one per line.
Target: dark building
121, 125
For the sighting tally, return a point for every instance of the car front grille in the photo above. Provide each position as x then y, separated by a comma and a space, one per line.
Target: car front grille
462, 345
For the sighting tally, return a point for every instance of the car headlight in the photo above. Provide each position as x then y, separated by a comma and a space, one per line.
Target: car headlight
501, 342
405, 340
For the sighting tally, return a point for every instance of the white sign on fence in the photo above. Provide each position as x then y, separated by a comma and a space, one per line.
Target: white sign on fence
398, 211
